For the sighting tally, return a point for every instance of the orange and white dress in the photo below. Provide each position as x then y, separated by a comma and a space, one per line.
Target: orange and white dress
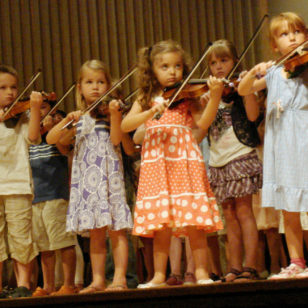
173, 186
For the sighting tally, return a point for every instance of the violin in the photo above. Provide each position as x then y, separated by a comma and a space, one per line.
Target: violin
125, 103
24, 104
196, 87
230, 85
295, 62
296, 65
102, 108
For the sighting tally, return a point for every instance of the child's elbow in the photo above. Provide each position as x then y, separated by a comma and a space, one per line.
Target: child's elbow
252, 118
49, 139
116, 140
32, 139
202, 125
242, 91
124, 127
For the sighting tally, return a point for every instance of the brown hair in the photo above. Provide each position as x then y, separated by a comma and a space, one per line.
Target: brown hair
222, 48
5, 69
148, 84
95, 65
294, 22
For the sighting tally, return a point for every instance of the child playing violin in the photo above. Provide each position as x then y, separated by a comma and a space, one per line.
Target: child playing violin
50, 203
15, 182
235, 172
97, 197
173, 192
285, 182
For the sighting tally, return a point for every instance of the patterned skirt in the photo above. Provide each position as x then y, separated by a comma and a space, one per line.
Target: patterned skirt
238, 178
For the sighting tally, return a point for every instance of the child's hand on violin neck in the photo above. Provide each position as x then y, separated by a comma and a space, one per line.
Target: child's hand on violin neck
114, 107
36, 100
48, 123
242, 75
260, 69
73, 116
216, 86
160, 105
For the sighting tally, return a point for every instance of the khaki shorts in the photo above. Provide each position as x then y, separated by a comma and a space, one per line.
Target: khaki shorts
16, 212
49, 223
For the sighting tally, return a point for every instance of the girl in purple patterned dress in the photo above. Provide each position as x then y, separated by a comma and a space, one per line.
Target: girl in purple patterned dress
97, 197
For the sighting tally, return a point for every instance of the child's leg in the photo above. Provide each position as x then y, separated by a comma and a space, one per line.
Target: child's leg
248, 225
68, 255
59, 279
274, 243
98, 259
198, 244
120, 258
294, 234
79, 275
214, 255
18, 210
161, 252
148, 256
234, 237
175, 259
175, 253
190, 267
24, 274
35, 274
48, 260
260, 266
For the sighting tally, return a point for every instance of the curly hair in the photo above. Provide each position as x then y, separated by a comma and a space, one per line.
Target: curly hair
95, 65
147, 81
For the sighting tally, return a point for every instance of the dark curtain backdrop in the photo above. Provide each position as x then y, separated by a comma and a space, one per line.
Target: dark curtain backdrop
59, 35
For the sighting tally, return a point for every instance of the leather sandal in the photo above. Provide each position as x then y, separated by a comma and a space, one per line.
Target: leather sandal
247, 274
40, 292
234, 272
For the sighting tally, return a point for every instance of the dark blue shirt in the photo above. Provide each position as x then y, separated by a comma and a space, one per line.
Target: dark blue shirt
49, 172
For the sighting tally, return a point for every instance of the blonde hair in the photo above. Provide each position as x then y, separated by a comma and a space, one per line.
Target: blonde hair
222, 48
147, 81
294, 22
5, 69
95, 65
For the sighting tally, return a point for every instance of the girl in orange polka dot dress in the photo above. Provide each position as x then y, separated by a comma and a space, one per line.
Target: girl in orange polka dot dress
174, 195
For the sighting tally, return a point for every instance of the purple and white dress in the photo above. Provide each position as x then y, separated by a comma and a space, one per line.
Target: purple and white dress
97, 196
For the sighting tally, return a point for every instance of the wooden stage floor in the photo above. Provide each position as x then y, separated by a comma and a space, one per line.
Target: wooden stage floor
286, 293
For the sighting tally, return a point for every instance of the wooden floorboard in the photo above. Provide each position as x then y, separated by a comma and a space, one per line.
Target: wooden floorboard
286, 293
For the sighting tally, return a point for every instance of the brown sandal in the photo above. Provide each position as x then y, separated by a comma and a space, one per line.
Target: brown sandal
234, 272
252, 275
40, 292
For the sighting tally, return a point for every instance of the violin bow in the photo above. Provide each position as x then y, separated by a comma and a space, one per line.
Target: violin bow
204, 72
32, 80
252, 39
60, 101
157, 116
130, 72
132, 94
